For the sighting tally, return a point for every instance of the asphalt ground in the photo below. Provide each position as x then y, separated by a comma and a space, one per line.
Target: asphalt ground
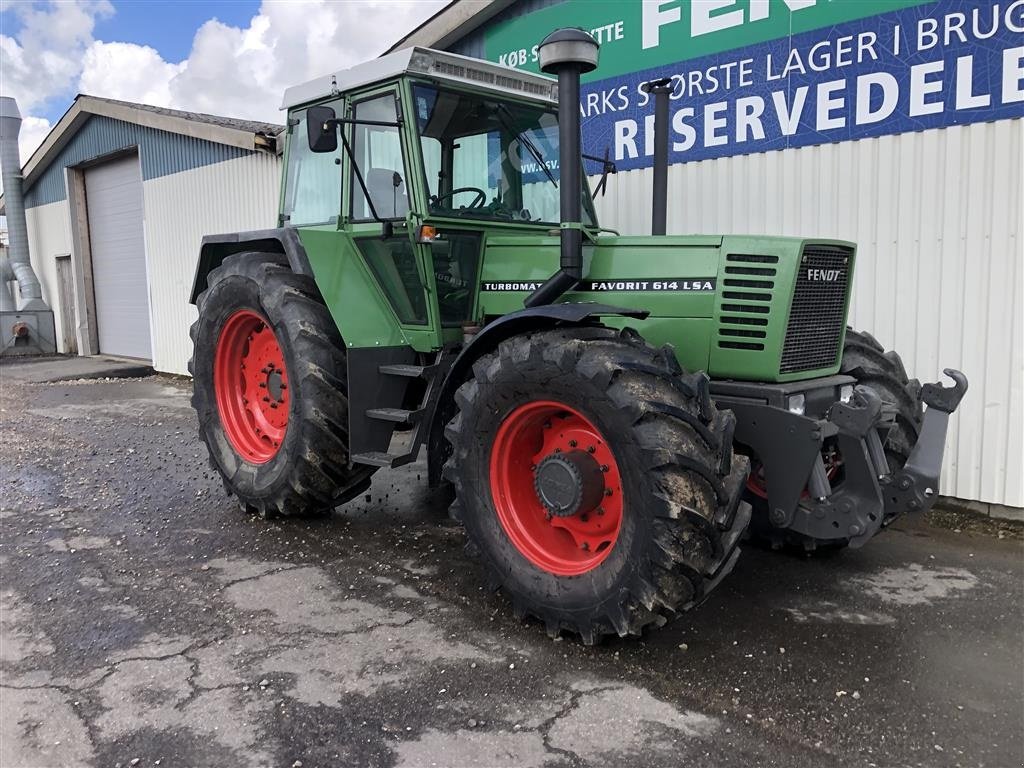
147, 621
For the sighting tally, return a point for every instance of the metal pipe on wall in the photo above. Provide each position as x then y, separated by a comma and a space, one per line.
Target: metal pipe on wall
14, 205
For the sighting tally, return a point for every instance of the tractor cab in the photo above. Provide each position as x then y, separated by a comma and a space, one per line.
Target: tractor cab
417, 156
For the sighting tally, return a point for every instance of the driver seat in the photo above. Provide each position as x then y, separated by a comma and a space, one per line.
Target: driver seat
389, 199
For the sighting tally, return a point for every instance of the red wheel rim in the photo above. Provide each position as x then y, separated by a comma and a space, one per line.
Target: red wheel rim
565, 546
251, 384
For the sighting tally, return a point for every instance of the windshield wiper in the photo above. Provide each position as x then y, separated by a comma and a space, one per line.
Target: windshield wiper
503, 115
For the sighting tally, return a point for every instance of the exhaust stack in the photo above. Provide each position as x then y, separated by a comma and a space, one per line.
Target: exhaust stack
567, 53
27, 329
659, 203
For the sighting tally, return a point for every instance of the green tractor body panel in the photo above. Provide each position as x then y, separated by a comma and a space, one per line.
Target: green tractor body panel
697, 290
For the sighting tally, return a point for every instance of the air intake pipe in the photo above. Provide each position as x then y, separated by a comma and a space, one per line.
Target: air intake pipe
661, 89
18, 264
567, 53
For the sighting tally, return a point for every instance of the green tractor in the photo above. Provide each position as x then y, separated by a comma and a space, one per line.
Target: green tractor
610, 411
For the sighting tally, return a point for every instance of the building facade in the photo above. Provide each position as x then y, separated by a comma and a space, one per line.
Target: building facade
896, 124
118, 198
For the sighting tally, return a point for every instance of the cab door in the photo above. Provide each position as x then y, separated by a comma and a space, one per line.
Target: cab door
380, 185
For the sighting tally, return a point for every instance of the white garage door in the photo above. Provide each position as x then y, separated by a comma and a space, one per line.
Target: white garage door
113, 194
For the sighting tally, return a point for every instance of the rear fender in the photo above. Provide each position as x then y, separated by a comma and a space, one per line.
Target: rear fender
216, 248
513, 324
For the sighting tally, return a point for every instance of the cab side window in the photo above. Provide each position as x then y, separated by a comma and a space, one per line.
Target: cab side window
378, 151
313, 181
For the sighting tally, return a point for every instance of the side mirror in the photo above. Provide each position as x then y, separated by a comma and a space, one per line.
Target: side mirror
322, 134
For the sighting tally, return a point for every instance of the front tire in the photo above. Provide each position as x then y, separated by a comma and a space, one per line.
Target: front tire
595, 479
269, 388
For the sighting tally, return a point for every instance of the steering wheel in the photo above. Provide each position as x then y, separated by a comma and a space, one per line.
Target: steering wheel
477, 202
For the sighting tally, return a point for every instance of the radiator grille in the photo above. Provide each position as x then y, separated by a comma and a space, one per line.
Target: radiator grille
746, 300
818, 312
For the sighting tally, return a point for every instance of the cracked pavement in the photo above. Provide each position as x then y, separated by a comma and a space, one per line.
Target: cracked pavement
144, 618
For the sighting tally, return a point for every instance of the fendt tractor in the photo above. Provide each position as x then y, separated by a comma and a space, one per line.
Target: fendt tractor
610, 412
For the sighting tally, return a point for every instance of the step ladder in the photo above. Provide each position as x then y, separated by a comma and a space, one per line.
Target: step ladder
405, 445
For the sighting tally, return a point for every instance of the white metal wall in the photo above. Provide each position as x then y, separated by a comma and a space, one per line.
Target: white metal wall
49, 236
938, 217
235, 195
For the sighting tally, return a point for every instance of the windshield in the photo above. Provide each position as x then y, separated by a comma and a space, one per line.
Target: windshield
489, 159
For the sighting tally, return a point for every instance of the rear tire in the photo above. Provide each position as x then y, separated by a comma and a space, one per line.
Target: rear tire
671, 485
298, 462
868, 362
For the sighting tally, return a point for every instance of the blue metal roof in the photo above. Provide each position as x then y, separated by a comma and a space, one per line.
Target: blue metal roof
161, 153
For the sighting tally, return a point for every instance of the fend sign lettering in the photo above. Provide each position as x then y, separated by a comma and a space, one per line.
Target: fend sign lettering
706, 17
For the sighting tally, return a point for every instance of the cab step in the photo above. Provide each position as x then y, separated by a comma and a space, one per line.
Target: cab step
408, 371
397, 415
376, 459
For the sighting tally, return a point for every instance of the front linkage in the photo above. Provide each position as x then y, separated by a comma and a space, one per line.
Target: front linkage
852, 500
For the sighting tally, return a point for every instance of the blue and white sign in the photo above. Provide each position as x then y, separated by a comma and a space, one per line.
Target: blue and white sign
927, 66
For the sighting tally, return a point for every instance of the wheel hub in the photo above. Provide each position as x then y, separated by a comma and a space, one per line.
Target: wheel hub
569, 483
556, 487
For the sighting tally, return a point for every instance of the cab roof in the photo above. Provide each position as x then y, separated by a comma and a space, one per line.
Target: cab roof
425, 62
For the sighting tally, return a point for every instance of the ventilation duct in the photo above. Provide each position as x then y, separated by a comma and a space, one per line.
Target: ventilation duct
28, 328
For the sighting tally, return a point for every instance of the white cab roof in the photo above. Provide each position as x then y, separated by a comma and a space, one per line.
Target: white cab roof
435, 65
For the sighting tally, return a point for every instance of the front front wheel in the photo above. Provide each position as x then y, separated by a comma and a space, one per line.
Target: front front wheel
596, 480
268, 370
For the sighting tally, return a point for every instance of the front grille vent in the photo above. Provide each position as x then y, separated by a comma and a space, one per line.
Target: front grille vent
747, 295
818, 312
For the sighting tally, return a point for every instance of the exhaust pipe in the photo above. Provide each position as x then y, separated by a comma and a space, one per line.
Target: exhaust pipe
18, 263
659, 203
567, 53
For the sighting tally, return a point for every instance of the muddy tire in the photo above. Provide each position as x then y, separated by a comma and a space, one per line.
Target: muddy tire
868, 362
269, 389
644, 440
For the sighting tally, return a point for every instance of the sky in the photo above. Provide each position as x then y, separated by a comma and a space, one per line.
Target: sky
232, 58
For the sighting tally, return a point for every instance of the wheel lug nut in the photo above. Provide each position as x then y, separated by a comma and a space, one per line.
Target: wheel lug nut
604, 467
283, 385
572, 443
600, 510
585, 547
584, 517
607, 491
266, 399
591, 449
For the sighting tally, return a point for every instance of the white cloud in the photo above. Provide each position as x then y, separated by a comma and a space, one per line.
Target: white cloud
46, 58
242, 72
233, 71
127, 71
33, 131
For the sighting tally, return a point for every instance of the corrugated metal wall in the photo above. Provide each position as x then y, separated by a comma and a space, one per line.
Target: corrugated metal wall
232, 196
938, 217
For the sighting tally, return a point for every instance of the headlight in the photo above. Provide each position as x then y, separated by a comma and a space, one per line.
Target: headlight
796, 404
846, 393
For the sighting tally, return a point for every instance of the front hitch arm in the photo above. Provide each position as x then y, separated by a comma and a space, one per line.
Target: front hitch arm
915, 487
